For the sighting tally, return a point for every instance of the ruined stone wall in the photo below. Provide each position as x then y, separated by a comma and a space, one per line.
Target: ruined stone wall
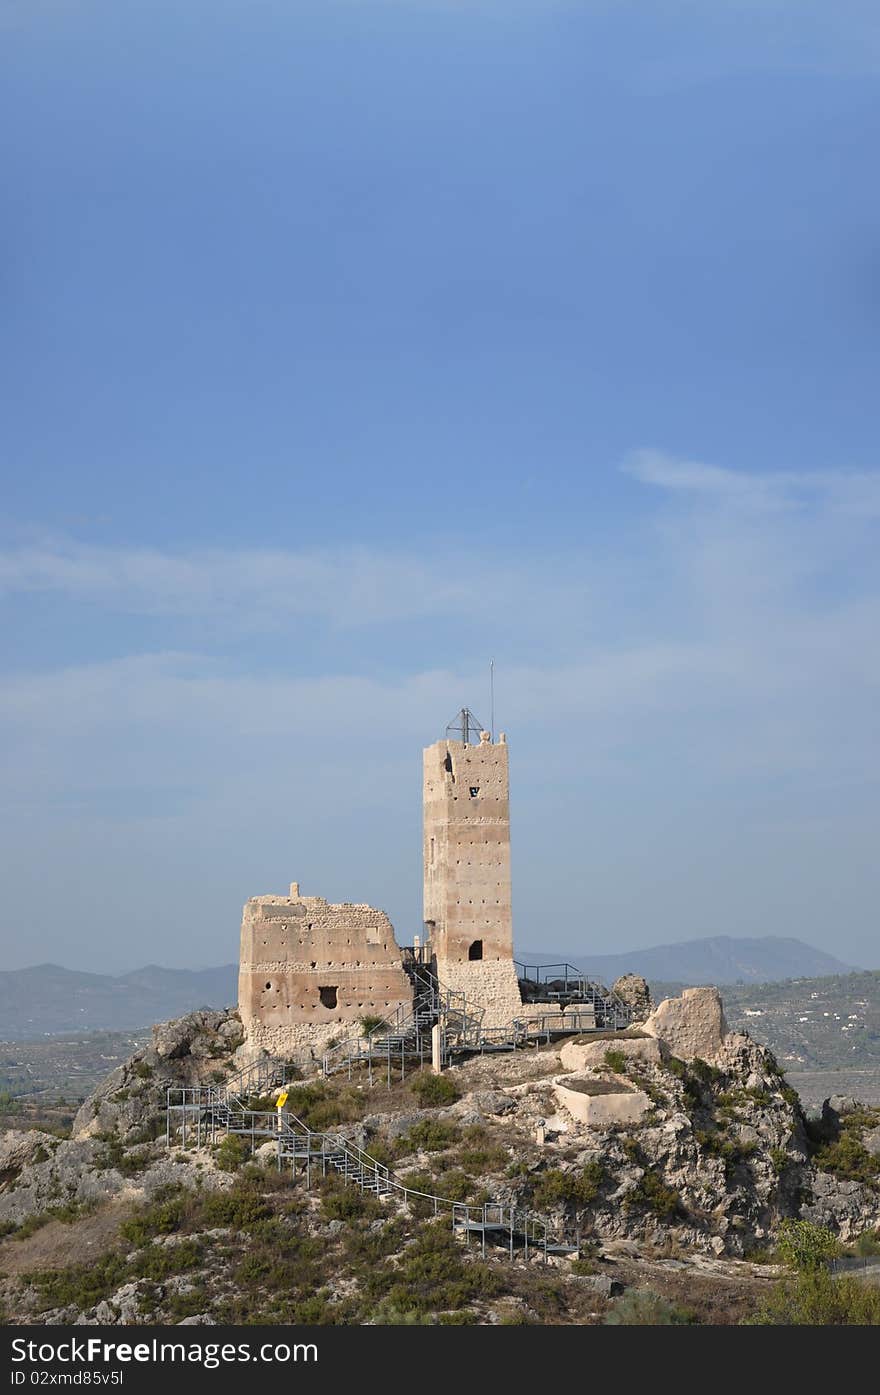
467, 873
491, 985
308, 968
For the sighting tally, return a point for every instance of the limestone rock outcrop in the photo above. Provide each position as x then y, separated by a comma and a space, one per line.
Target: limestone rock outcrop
691, 1025
582, 1052
633, 990
186, 1051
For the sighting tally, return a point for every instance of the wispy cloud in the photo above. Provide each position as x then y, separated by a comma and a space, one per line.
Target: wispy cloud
853, 492
723, 711
347, 587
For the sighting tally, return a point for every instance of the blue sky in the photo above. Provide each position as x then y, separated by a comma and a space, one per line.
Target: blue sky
349, 344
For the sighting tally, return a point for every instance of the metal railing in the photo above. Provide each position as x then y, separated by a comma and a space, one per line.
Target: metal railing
565, 983
219, 1111
404, 1038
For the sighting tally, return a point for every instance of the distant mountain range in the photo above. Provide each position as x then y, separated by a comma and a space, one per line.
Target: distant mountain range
48, 1000
718, 959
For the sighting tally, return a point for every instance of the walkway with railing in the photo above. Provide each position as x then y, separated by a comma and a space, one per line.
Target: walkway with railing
564, 983
199, 1113
574, 1004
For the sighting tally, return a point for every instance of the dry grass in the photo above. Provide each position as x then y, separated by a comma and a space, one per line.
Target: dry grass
58, 1243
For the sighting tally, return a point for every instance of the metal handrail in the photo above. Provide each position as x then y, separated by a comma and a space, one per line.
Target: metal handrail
227, 1111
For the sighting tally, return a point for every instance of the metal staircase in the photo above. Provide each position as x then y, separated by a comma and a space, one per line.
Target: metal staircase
574, 1004
209, 1110
404, 1039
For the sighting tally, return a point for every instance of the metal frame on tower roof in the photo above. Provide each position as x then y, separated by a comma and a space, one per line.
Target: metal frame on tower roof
464, 725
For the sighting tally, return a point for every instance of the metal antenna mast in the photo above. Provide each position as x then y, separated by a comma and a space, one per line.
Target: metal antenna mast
492, 697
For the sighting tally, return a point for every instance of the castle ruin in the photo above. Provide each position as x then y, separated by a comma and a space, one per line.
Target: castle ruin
308, 967
468, 919
311, 971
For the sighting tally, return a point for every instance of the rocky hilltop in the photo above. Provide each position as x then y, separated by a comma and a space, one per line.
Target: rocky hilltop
666, 1156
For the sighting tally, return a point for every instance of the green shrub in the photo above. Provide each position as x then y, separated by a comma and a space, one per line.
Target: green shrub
732, 1150
456, 1185
321, 1107
114, 1156
30, 1225
868, 1244
387, 1315
314, 1311
480, 1152
259, 1104
82, 1285
347, 1203
779, 1159
365, 1247
860, 1118
430, 1136
71, 1211
151, 1128
433, 1275
577, 1188
384, 1152
806, 1246
583, 1266
430, 1089
616, 1061
642, 1307
850, 1159
653, 1193
420, 1182
369, 1023
158, 1262
143, 1070
241, 1209
817, 1299
162, 1218
517, 1168
232, 1153
632, 1151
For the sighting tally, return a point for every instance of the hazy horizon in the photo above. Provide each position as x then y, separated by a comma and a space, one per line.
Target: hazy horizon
348, 347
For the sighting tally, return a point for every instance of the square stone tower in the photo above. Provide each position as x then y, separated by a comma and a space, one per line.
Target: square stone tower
467, 873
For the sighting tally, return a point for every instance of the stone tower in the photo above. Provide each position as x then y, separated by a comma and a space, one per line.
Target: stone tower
467, 872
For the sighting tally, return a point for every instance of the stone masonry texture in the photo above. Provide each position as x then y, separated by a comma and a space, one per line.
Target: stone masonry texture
309, 967
467, 873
